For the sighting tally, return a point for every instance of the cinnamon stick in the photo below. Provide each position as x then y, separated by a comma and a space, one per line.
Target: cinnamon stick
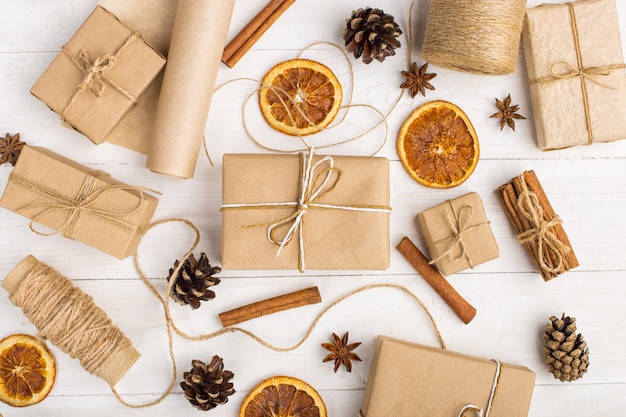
253, 31
509, 194
271, 305
417, 259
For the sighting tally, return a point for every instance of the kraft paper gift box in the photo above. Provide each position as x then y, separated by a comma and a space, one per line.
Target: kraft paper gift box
345, 227
458, 234
98, 75
408, 380
78, 202
576, 73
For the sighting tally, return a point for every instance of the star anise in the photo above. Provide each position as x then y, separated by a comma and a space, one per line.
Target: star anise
417, 79
10, 148
507, 113
341, 352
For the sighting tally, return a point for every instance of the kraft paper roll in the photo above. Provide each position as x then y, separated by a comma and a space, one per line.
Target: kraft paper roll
198, 39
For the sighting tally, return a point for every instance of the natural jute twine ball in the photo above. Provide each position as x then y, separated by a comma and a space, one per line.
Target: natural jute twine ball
476, 36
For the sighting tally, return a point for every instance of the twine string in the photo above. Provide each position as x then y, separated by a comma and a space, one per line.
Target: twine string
473, 408
460, 226
95, 74
85, 203
551, 251
68, 318
311, 190
579, 71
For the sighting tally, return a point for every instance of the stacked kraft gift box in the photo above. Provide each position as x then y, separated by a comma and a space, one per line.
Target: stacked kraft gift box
349, 227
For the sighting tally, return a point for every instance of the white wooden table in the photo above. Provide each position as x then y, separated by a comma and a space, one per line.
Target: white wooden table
586, 185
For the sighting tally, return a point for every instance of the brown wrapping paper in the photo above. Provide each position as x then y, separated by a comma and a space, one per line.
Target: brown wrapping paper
194, 57
408, 380
55, 191
561, 83
332, 238
94, 104
461, 229
116, 365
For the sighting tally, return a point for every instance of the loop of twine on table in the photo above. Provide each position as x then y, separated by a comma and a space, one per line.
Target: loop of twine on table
549, 247
83, 204
95, 74
579, 71
477, 36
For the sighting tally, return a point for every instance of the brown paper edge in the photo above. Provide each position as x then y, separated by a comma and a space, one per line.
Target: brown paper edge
115, 366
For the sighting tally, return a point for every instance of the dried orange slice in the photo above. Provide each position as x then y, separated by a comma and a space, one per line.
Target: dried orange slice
283, 396
438, 146
300, 97
27, 370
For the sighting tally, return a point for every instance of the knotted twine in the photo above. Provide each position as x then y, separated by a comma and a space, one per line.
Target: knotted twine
95, 74
459, 226
314, 184
578, 71
549, 247
476, 36
85, 203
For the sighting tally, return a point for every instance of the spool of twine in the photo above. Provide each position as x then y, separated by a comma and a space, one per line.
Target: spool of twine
70, 320
476, 36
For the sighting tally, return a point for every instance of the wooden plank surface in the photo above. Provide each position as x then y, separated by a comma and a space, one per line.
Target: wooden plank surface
586, 186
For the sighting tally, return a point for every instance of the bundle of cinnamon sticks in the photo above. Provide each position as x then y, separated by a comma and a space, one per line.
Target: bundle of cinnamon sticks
537, 226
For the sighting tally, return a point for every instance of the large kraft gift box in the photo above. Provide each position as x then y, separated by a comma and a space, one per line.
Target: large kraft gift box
458, 234
346, 236
98, 75
78, 202
576, 73
409, 380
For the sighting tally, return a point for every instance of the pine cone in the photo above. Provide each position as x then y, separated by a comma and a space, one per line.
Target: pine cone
207, 386
566, 352
371, 33
193, 281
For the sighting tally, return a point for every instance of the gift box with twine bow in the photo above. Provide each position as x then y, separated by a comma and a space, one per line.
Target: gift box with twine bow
409, 379
98, 75
458, 234
78, 202
305, 211
576, 73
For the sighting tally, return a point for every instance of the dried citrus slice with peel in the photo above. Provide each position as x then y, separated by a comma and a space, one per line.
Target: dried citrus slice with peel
438, 146
283, 396
300, 97
27, 370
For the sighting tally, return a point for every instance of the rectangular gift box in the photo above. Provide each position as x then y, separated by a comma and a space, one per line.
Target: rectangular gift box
576, 73
408, 380
260, 190
98, 75
78, 202
455, 226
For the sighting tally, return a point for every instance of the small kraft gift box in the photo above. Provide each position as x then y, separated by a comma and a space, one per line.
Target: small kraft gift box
576, 73
78, 202
98, 75
409, 380
291, 211
458, 234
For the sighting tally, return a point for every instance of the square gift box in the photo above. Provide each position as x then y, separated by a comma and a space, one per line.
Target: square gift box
576, 73
341, 221
408, 380
78, 202
98, 75
458, 235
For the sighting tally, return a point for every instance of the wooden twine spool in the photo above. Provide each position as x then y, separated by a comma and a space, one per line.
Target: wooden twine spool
70, 320
476, 36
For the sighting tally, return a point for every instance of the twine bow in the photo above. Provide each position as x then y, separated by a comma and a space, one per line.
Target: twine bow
84, 203
316, 181
549, 247
460, 226
95, 74
579, 71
